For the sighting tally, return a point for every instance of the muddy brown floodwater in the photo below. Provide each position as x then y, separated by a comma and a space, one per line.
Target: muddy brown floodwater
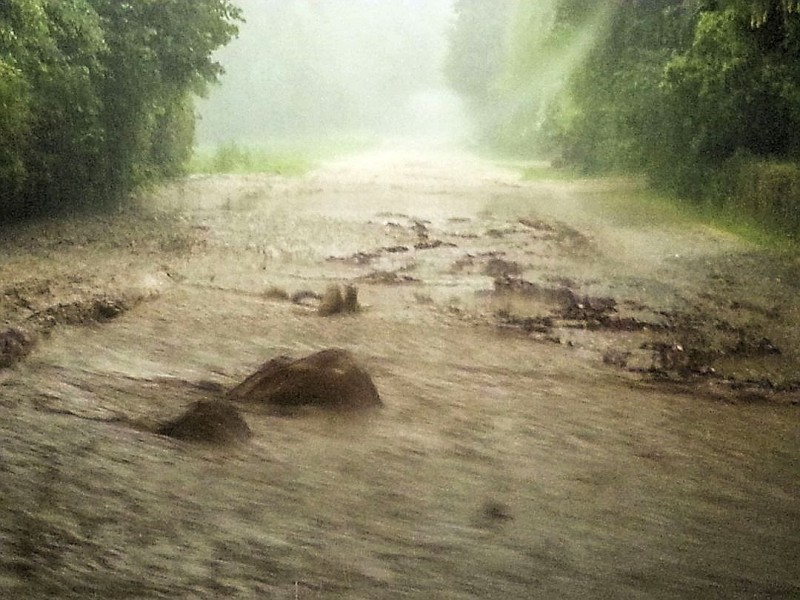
581, 399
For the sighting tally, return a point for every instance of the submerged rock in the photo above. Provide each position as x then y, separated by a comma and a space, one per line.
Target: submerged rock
330, 378
498, 267
332, 302
350, 303
335, 302
15, 344
213, 421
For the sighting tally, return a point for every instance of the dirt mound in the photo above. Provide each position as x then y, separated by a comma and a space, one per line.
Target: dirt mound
212, 421
426, 244
330, 378
498, 267
388, 278
593, 310
81, 312
560, 296
335, 302
15, 344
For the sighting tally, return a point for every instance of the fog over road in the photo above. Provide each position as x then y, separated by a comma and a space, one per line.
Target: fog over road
581, 399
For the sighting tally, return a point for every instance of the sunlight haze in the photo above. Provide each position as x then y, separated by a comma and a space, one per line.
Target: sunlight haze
333, 66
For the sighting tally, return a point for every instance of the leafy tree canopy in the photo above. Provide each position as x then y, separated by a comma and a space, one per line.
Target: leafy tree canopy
644, 83
94, 94
693, 93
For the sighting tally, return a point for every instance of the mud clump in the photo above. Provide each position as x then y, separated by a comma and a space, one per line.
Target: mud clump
210, 421
589, 311
494, 510
332, 302
537, 224
329, 379
493, 514
462, 263
335, 302
616, 358
420, 228
746, 346
35, 313
592, 309
388, 278
358, 258
426, 244
351, 304
276, 293
301, 296
15, 344
555, 295
500, 233
81, 312
567, 237
674, 358
527, 324
498, 267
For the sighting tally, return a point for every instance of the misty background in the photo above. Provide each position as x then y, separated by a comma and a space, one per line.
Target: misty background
329, 67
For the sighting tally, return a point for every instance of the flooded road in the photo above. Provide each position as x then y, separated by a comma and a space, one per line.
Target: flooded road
581, 399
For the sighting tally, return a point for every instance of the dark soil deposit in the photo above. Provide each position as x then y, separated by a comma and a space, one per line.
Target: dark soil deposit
211, 421
576, 397
329, 378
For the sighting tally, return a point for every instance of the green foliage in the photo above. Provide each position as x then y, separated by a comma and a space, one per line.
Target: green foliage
67, 134
51, 51
546, 172
15, 123
159, 53
95, 94
768, 191
290, 157
676, 89
229, 158
232, 158
761, 11
730, 94
620, 120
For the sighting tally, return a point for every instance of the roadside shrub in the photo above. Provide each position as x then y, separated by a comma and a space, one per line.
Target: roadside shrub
95, 95
14, 128
230, 158
769, 191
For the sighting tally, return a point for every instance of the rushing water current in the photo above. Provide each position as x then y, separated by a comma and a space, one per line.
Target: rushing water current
558, 420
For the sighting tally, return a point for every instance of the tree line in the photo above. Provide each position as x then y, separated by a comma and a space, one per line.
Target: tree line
96, 96
703, 96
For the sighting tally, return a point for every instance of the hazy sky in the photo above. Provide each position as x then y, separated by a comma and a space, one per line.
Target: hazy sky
313, 67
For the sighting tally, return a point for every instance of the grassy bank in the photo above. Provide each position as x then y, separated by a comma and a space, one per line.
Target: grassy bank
759, 202
756, 198
288, 157
766, 191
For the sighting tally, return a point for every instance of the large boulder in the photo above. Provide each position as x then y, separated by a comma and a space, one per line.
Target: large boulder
330, 379
213, 421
